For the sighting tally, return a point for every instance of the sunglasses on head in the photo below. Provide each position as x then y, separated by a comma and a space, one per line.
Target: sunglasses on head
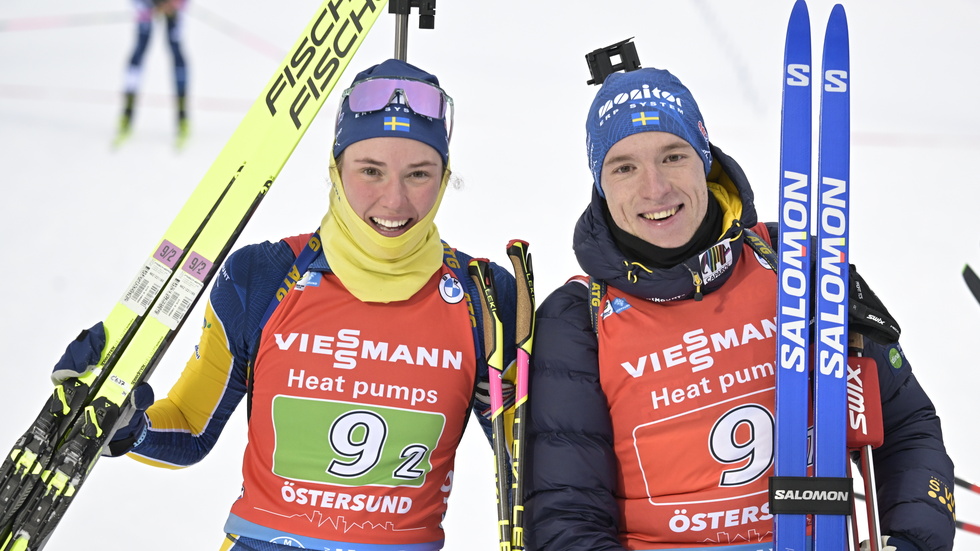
424, 98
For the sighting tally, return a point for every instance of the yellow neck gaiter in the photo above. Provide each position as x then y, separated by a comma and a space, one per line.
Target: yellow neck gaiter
725, 191
373, 267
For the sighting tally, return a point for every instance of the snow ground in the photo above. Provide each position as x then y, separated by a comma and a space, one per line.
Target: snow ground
77, 218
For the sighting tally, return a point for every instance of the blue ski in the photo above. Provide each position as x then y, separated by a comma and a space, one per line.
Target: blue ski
793, 301
830, 385
822, 290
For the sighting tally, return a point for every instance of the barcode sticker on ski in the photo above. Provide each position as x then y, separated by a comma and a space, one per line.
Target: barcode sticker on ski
183, 291
152, 277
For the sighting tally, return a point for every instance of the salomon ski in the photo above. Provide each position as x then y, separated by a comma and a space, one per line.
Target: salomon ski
793, 300
831, 282
827, 495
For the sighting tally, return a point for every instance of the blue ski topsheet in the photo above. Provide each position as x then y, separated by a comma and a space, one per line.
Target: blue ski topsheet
793, 301
828, 289
830, 390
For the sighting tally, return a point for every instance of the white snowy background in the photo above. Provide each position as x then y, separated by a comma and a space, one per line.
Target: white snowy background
77, 218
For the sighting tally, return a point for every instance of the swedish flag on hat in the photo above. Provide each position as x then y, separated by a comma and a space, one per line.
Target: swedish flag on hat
644, 100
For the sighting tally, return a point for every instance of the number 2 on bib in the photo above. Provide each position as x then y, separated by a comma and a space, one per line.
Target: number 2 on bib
352, 444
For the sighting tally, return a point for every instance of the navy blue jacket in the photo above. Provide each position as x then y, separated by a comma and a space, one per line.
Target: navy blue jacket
571, 502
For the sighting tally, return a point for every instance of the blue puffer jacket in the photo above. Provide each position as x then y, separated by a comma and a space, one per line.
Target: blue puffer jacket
571, 501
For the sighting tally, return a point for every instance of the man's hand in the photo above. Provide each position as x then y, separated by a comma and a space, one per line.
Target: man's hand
867, 315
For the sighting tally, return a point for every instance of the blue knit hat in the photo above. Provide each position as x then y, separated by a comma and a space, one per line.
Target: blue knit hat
395, 121
643, 100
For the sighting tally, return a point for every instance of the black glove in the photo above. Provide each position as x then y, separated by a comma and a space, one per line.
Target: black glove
868, 316
130, 432
81, 355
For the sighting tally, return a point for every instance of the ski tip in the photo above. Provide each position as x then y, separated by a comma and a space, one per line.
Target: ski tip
837, 21
799, 10
798, 35
799, 18
119, 140
183, 134
836, 40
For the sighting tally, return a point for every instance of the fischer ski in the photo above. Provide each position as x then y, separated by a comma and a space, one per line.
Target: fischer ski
827, 291
47, 465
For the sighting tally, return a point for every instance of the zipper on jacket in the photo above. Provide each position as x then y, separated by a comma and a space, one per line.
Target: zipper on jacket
697, 285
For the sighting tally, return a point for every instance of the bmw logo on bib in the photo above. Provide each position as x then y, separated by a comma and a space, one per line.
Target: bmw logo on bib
450, 289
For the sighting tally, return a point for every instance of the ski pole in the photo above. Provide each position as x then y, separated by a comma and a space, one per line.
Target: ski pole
968, 527
521, 259
866, 431
493, 336
972, 281
967, 485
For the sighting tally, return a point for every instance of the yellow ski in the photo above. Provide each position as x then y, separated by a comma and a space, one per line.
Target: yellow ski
48, 464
